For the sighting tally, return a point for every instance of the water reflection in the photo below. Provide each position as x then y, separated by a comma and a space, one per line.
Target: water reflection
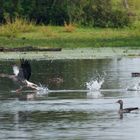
70, 113
94, 94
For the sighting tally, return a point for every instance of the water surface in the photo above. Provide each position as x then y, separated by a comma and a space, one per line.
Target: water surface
71, 115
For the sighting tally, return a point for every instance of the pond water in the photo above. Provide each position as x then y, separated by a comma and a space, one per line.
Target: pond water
71, 111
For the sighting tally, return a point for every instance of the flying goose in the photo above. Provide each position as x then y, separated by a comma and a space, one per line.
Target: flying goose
22, 75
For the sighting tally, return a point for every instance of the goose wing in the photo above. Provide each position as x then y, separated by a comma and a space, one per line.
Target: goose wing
24, 70
15, 70
131, 109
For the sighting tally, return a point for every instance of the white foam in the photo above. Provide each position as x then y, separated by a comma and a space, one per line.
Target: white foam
135, 87
94, 85
42, 89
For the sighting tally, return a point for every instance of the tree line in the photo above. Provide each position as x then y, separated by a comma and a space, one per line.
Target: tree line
96, 13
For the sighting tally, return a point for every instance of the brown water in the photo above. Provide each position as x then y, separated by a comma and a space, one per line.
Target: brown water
71, 115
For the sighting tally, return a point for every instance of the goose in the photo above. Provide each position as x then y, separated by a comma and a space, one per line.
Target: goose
22, 75
125, 110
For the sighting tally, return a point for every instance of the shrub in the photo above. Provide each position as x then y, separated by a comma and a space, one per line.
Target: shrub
119, 18
13, 28
69, 27
105, 16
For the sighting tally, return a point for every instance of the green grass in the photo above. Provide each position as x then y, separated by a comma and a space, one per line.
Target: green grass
51, 36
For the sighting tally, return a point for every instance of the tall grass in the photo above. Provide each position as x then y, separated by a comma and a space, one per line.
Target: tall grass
69, 27
66, 37
47, 31
14, 28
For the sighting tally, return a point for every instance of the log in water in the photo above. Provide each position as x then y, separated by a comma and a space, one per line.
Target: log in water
27, 48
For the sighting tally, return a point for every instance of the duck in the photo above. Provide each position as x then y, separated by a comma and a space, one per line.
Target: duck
125, 110
135, 74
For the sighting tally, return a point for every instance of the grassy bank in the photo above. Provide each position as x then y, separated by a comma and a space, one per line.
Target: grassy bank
68, 36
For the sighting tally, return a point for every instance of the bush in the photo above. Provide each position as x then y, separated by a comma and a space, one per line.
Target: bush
105, 16
119, 18
12, 29
99, 13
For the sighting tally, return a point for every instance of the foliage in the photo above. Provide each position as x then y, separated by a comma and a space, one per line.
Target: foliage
13, 28
119, 19
83, 12
55, 36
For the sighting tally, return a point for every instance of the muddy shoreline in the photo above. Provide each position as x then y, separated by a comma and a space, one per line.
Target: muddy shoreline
78, 53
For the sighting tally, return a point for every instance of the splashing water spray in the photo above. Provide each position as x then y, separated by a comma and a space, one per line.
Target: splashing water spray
95, 85
42, 89
135, 86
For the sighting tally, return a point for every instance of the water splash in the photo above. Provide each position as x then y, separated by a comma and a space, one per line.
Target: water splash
41, 89
94, 85
135, 87
94, 94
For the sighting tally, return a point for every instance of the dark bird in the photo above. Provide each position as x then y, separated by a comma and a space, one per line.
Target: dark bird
125, 110
135, 74
22, 75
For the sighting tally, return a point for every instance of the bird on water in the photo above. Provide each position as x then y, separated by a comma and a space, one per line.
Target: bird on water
125, 110
21, 75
